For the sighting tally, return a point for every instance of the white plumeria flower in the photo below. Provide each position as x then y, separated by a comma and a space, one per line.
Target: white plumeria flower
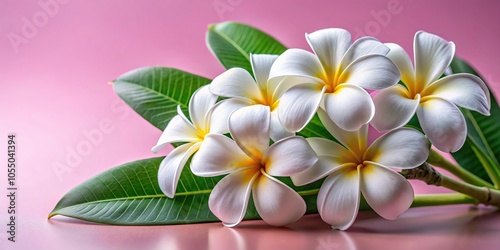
354, 168
251, 164
434, 100
334, 78
202, 109
243, 90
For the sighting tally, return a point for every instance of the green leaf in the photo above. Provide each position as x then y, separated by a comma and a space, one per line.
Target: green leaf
155, 92
481, 151
129, 195
316, 129
231, 43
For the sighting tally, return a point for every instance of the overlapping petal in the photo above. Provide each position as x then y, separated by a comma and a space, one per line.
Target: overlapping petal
402, 148
371, 72
222, 110
179, 129
229, 198
261, 65
393, 108
282, 84
249, 128
323, 167
236, 82
329, 45
298, 105
386, 191
219, 155
338, 198
199, 105
171, 167
356, 141
298, 63
433, 55
289, 156
350, 107
443, 123
331, 157
276, 203
362, 47
465, 90
277, 131
399, 56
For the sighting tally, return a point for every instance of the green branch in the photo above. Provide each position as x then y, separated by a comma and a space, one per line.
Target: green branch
429, 175
438, 160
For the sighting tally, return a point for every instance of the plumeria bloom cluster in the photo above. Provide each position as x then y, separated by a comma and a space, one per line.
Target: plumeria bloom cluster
263, 109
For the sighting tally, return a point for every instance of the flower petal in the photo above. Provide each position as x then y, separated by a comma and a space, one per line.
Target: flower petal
399, 57
179, 129
349, 106
280, 86
236, 82
401, 148
171, 167
276, 203
355, 140
297, 63
362, 47
338, 198
433, 55
289, 156
443, 123
199, 105
229, 198
221, 112
371, 72
277, 131
331, 157
323, 167
464, 90
386, 191
393, 108
298, 106
249, 127
219, 155
261, 65
329, 45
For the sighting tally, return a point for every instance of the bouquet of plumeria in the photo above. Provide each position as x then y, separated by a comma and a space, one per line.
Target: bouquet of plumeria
284, 132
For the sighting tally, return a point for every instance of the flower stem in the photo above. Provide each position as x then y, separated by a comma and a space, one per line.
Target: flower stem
429, 175
427, 200
438, 160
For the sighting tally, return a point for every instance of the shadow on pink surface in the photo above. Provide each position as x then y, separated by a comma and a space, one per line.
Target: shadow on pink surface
451, 227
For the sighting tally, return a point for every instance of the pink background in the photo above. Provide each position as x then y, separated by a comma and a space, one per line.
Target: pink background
54, 90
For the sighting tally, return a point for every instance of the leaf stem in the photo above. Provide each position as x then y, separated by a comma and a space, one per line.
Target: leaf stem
436, 159
429, 175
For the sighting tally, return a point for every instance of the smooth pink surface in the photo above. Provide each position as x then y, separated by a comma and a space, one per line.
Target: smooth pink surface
54, 91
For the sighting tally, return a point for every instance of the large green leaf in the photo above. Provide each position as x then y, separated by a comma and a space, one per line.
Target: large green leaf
482, 147
233, 42
155, 92
129, 195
